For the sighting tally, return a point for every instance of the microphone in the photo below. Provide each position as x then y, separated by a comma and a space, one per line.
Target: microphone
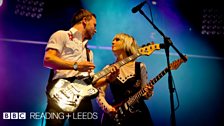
138, 7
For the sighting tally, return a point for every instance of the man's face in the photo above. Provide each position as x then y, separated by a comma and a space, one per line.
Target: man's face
90, 28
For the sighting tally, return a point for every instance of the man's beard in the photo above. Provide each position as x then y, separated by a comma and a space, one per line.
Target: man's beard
88, 36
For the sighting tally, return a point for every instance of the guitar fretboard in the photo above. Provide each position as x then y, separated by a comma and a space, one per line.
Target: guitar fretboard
106, 71
132, 100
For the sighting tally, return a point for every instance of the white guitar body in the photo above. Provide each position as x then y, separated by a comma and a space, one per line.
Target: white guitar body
68, 95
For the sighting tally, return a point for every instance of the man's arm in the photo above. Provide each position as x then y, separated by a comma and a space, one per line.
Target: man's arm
52, 60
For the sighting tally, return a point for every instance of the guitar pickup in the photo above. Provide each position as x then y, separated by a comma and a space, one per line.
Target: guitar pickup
121, 111
64, 94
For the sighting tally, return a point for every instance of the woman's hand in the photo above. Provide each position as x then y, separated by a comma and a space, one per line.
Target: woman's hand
148, 91
111, 109
114, 72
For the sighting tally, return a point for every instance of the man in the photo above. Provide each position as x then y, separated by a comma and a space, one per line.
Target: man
68, 57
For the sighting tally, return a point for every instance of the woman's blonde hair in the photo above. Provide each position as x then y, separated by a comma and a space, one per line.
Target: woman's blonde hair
130, 44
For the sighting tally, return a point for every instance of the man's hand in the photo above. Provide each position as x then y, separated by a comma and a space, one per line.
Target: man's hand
85, 66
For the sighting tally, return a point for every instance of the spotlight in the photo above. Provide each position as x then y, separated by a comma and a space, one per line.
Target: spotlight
29, 8
1, 2
212, 22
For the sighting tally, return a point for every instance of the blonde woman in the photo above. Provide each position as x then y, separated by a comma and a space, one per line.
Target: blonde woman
131, 78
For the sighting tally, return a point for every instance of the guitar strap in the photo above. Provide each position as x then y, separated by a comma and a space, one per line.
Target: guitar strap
87, 53
51, 75
134, 87
137, 70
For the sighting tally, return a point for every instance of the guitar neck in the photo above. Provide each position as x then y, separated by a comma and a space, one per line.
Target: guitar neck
132, 100
158, 77
106, 71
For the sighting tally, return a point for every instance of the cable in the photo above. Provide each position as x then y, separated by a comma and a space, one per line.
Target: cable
150, 10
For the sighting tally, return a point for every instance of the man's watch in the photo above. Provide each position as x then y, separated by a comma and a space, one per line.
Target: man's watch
75, 66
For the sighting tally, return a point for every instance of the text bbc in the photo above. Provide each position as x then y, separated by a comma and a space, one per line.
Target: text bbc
14, 115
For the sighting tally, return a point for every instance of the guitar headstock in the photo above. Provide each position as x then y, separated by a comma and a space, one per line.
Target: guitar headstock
148, 49
175, 64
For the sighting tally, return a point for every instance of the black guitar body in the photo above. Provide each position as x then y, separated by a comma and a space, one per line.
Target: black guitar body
121, 117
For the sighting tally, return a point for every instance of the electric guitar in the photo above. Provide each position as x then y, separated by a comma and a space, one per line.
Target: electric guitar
68, 95
126, 108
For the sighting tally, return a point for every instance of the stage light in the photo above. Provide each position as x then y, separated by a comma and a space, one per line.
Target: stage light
154, 2
29, 8
212, 22
1, 2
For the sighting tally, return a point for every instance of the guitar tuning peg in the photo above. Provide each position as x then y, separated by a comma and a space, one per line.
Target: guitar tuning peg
143, 45
148, 44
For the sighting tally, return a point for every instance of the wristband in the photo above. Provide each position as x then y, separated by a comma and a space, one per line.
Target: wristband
75, 66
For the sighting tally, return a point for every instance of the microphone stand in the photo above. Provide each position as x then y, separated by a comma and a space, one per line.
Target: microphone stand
168, 43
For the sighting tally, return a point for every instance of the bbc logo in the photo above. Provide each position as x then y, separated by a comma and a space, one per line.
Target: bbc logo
14, 115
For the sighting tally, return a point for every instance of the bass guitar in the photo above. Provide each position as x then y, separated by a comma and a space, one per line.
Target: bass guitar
126, 108
68, 95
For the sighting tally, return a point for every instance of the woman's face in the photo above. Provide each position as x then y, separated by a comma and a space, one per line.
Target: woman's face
117, 45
